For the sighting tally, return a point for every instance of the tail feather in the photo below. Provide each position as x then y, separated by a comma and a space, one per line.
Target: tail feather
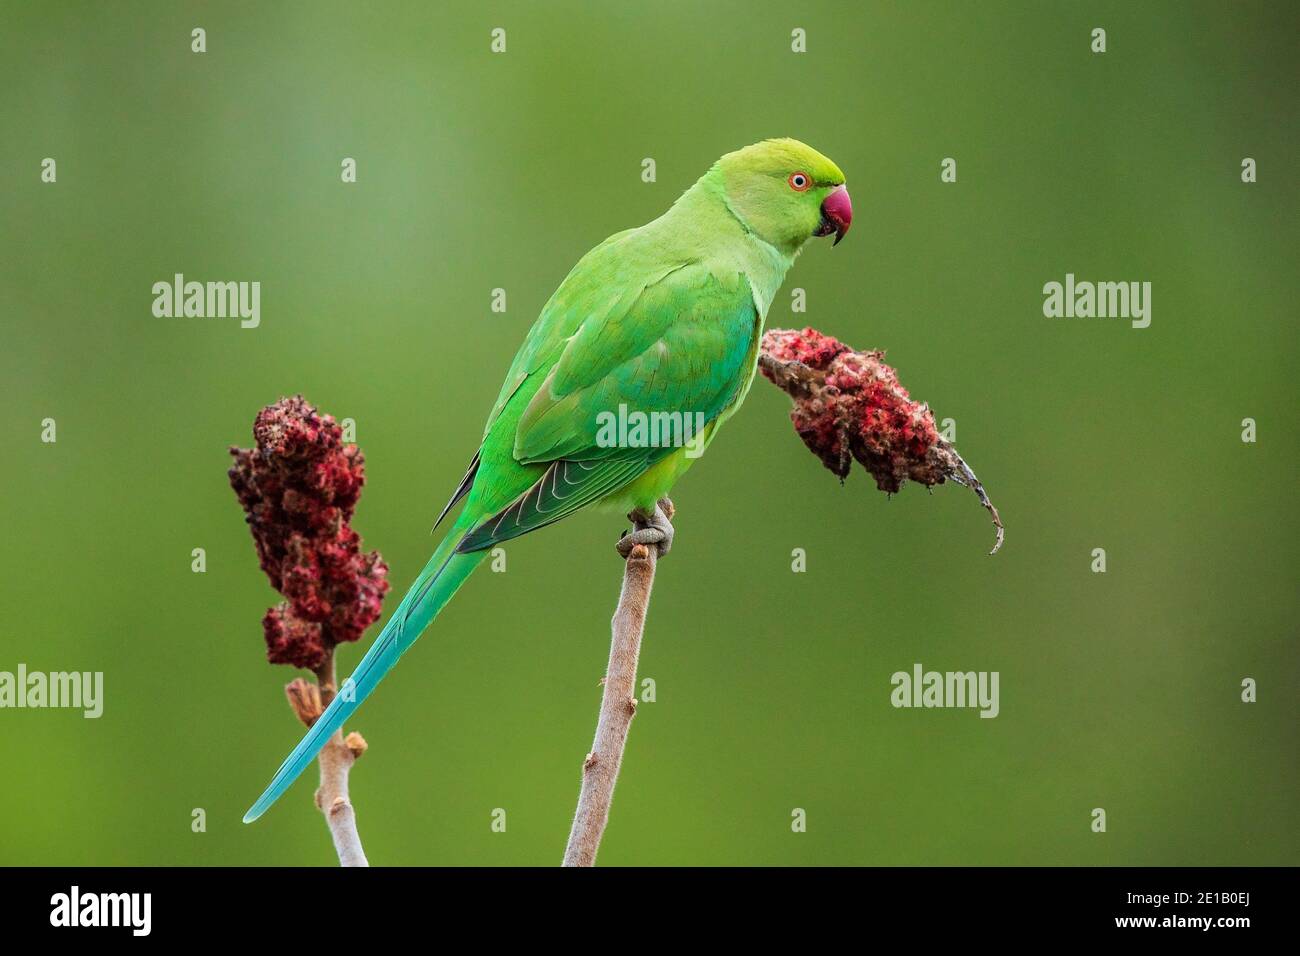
440, 579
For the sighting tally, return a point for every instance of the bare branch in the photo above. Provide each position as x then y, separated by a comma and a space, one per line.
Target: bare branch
618, 703
336, 758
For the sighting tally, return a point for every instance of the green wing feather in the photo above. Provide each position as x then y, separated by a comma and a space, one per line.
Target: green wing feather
566, 486
680, 347
678, 340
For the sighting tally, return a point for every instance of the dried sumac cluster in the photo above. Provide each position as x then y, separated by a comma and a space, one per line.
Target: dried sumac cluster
850, 405
299, 486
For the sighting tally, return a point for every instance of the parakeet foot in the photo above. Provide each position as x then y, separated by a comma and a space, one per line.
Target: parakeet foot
655, 529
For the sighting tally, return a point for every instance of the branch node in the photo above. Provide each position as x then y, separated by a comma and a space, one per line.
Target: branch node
335, 759
304, 698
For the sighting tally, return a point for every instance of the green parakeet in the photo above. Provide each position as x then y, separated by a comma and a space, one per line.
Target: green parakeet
665, 318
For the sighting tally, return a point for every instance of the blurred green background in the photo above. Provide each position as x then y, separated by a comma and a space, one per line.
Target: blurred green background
1118, 690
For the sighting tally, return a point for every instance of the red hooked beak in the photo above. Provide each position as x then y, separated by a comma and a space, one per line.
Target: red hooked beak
837, 214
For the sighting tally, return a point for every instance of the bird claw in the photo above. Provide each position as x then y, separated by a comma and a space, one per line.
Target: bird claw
655, 529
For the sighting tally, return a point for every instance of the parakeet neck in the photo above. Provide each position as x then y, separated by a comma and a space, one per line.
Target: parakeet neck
703, 214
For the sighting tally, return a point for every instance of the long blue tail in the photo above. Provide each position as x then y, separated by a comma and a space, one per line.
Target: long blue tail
440, 579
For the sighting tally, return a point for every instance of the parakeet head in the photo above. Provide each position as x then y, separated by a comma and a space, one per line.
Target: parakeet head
786, 192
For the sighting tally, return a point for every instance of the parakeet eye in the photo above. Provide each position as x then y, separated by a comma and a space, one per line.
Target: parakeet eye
799, 182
